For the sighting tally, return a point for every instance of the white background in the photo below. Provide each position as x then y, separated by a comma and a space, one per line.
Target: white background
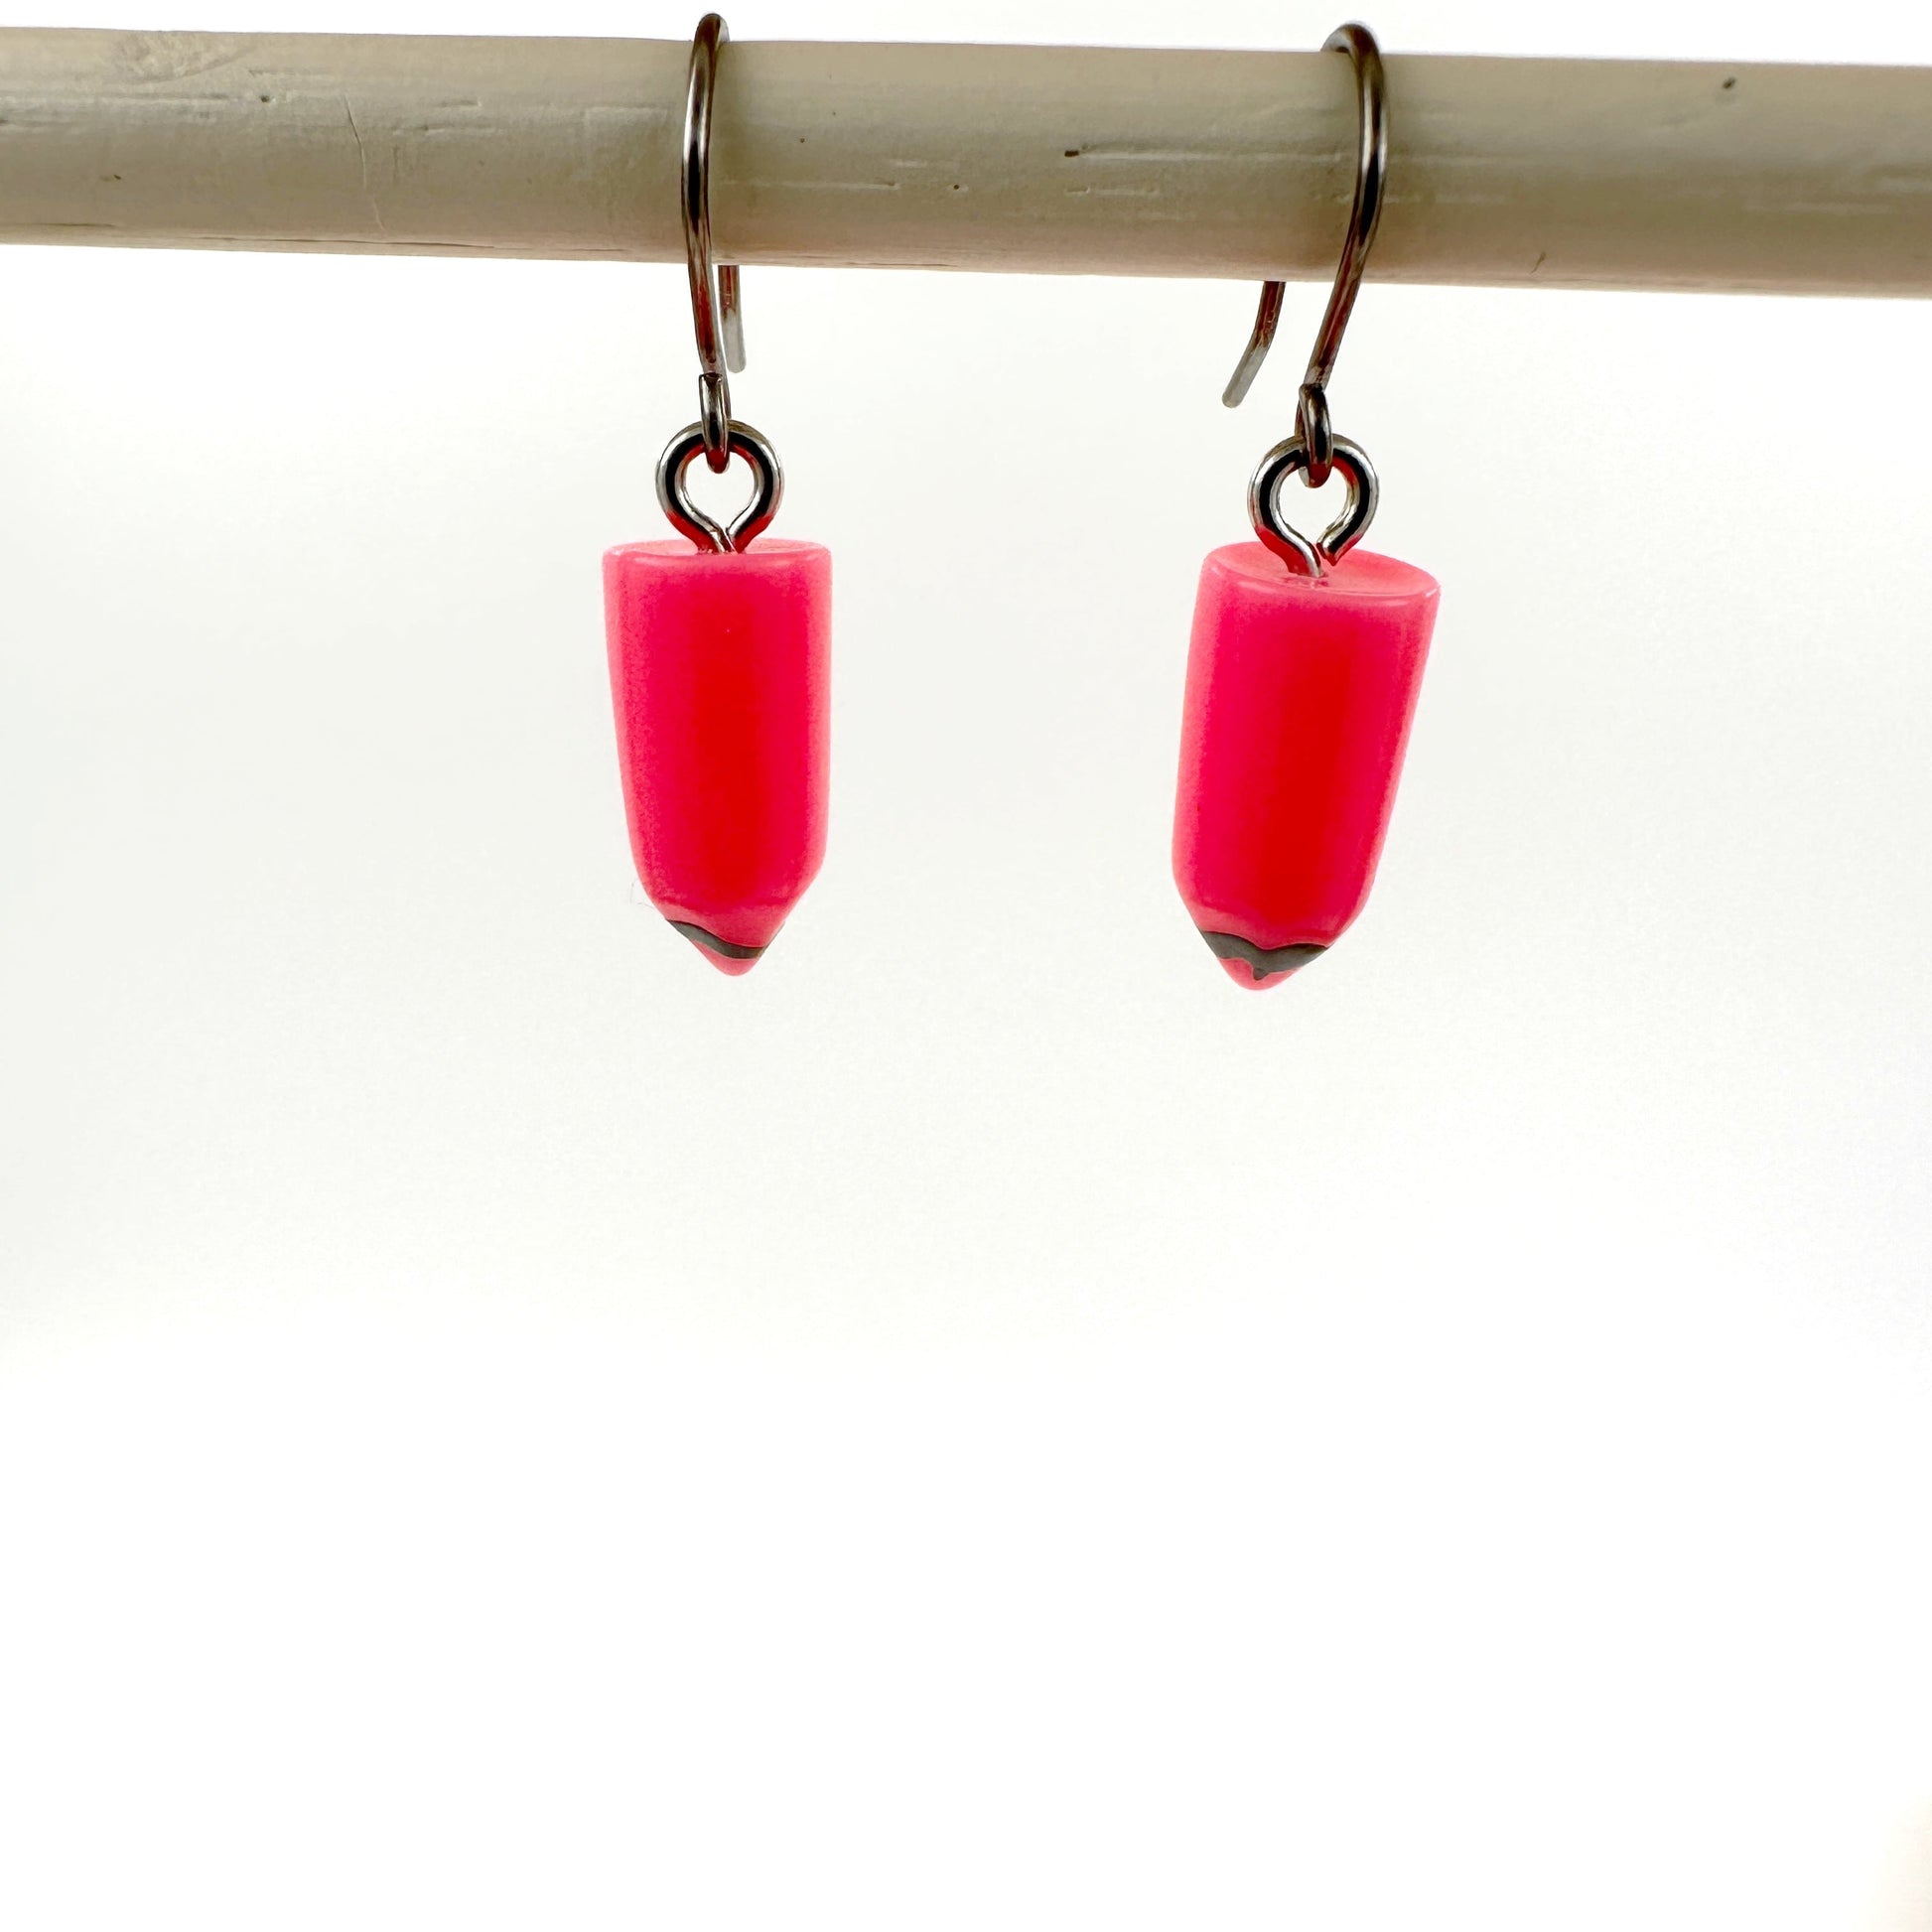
979, 1423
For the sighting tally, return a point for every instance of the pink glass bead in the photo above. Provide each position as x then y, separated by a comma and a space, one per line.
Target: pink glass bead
721, 675
1299, 694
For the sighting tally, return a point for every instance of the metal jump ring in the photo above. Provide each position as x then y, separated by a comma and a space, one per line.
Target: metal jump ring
1305, 558
767, 480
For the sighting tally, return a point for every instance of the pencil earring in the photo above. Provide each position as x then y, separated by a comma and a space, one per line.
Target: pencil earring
1305, 662
720, 657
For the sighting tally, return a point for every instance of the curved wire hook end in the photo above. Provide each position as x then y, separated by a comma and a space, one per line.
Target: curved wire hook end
1371, 165
1266, 320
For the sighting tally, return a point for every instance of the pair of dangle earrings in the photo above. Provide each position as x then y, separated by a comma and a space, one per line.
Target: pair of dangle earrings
1303, 666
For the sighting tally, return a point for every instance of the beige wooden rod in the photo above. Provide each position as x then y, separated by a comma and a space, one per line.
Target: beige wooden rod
1579, 174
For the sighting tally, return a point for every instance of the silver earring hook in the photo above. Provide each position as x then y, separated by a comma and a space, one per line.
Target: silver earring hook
1312, 426
715, 312
716, 318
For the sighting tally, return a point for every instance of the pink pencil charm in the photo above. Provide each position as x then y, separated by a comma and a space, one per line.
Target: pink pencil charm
720, 655
1306, 660
721, 678
1299, 693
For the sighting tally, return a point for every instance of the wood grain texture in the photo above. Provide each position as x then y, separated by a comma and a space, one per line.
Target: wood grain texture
1040, 159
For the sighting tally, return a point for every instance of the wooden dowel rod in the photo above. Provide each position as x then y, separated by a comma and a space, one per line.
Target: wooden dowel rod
1576, 174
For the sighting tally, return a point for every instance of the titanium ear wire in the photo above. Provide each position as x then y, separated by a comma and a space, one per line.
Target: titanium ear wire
1315, 449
